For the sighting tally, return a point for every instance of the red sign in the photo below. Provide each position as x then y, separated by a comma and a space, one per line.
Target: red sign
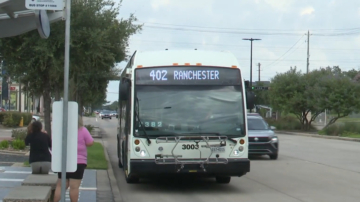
12, 88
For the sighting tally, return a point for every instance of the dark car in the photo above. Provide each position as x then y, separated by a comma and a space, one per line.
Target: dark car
105, 115
262, 138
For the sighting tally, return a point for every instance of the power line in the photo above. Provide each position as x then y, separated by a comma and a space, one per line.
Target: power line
286, 51
350, 31
222, 32
206, 27
240, 46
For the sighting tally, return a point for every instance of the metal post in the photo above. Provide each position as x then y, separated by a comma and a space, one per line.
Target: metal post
251, 40
308, 54
251, 66
9, 92
325, 119
259, 72
19, 95
65, 100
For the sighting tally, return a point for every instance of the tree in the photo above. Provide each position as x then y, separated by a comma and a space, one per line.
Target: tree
312, 93
36, 62
98, 41
341, 94
351, 73
287, 94
113, 106
297, 93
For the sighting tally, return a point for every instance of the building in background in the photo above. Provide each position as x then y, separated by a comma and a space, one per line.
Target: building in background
13, 102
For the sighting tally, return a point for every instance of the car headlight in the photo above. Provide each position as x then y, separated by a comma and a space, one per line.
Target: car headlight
236, 152
143, 153
274, 139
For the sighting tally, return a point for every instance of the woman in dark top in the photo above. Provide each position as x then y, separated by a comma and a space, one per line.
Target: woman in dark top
40, 143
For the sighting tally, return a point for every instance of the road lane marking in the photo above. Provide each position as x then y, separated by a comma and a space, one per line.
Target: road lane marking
23, 172
11, 180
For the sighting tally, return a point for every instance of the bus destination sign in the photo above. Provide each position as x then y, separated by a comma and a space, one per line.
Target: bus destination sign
187, 76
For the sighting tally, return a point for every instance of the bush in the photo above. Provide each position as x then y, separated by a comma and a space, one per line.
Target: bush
4, 144
286, 123
12, 118
88, 114
19, 134
18, 144
90, 128
341, 129
27, 118
8, 120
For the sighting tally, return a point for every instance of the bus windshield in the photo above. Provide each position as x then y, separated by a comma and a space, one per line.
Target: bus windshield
172, 110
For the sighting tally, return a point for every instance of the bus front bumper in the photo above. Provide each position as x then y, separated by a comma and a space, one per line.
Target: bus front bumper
148, 167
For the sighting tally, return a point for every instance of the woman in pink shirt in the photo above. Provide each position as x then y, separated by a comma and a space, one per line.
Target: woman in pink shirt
74, 179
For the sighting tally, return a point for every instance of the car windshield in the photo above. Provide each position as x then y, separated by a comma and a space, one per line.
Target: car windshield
257, 124
175, 110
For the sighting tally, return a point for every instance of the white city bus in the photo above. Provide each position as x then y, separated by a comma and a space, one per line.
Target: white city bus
183, 112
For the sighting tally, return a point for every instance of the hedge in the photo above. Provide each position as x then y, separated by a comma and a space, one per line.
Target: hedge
12, 118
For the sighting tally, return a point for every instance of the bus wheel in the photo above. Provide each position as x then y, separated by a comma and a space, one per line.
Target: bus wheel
223, 180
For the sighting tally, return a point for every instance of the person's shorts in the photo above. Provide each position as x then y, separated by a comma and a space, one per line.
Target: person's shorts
78, 174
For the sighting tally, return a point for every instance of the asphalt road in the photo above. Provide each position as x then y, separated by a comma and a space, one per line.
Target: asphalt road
308, 169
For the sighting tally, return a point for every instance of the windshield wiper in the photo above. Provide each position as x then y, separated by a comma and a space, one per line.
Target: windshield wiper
218, 134
141, 125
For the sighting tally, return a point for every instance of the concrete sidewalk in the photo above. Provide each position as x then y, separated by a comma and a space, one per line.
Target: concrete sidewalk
11, 177
97, 185
5, 133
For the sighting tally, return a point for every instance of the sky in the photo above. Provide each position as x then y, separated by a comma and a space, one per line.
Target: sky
282, 26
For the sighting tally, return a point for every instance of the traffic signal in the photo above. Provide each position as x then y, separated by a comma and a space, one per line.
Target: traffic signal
247, 84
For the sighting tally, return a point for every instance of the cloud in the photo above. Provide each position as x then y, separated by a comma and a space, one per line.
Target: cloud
182, 4
156, 4
280, 5
307, 11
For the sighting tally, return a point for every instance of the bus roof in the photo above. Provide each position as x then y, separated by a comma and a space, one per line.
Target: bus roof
185, 57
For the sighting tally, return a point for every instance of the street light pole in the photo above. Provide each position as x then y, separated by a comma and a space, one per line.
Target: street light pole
251, 40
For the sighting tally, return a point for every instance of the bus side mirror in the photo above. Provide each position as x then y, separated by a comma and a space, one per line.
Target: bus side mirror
124, 90
250, 99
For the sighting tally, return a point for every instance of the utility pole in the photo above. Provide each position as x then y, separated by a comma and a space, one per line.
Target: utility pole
251, 40
259, 71
308, 54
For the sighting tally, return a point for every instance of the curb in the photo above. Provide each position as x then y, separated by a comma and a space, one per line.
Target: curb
18, 165
14, 152
112, 178
97, 133
321, 136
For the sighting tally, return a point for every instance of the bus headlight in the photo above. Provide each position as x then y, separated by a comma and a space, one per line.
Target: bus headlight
241, 148
236, 152
274, 139
143, 153
137, 149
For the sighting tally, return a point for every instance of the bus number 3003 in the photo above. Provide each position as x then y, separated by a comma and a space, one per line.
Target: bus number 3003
190, 146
